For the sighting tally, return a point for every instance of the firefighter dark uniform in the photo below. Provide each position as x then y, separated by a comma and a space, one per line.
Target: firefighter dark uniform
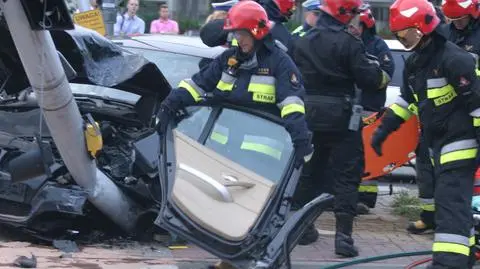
268, 80
373, 101
330, 74
212, 33
441, 87
311, 8
469, 40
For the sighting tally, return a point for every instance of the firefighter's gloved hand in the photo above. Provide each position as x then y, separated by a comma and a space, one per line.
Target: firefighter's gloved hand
165, 114
303, 154
378, 138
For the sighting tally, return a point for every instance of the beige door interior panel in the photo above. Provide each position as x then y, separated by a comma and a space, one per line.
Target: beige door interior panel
218, 194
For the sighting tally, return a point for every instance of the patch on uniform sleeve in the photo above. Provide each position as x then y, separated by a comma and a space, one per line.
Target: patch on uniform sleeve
294, 79
463, 82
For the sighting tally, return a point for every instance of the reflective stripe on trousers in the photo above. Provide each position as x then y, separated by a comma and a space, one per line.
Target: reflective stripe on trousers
459, 150
368, 186
428, 204
452, 243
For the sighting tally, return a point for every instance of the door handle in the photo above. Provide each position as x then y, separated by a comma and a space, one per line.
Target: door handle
246, 185
223, 192
233, 182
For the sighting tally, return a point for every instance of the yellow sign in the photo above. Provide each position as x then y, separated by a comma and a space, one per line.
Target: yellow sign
90, 19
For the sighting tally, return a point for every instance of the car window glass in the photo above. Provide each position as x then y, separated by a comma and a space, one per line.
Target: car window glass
194, 123
174, 67
259, 145
399, 65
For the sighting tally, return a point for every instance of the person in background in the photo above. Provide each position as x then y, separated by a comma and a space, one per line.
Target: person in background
164, 25
312, 10
220, 10
96, 4
372, 101
129, 23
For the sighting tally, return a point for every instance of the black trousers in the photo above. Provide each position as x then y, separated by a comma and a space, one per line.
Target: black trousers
425, 182
336, 167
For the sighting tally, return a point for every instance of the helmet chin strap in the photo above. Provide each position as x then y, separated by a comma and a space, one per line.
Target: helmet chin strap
424, 42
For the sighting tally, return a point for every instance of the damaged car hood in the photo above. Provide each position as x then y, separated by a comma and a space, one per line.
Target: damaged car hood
95, 59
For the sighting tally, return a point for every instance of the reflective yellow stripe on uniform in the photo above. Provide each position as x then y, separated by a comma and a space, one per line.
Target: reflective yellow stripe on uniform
440, 91
459, 150
476, 117
226, 82
192, 88
263, 89
427, 204
452, 243
220, 134
413, 108
291, 104
298, 30
370, 186
261, 144
400, 108
475, 56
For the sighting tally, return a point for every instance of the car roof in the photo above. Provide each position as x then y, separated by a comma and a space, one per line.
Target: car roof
189, 45
394, 44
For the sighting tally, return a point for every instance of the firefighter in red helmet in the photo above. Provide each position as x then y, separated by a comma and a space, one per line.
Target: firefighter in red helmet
257, 74
440, 86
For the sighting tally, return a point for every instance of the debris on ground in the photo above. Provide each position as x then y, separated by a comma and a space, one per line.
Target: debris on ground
25, 262
66, 246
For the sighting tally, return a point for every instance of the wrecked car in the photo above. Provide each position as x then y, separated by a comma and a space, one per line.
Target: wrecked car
208, 179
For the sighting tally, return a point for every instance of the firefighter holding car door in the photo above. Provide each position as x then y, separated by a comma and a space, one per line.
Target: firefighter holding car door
441, 87
332, 60
256, 74
373, 101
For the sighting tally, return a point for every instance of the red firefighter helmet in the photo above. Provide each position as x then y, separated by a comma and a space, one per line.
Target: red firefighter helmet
286, 7
250, 16
367, 18
343, 10
410, 20
457, 9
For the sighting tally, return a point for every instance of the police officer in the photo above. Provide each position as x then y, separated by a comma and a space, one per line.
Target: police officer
279, 11
373, 101
220, 9
311, 11
464, 31
440, 85
332, 60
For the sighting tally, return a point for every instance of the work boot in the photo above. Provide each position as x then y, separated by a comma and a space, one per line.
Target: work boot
343, 236
362, 209
309, 236
419, 227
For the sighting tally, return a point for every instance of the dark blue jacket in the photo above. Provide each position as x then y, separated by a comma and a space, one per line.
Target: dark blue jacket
374, 45
282, 92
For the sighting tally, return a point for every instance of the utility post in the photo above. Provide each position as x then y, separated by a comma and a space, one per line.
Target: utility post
109, 13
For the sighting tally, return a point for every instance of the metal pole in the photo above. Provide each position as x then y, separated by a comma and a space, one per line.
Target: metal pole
38, 55
83, 5
109, 13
